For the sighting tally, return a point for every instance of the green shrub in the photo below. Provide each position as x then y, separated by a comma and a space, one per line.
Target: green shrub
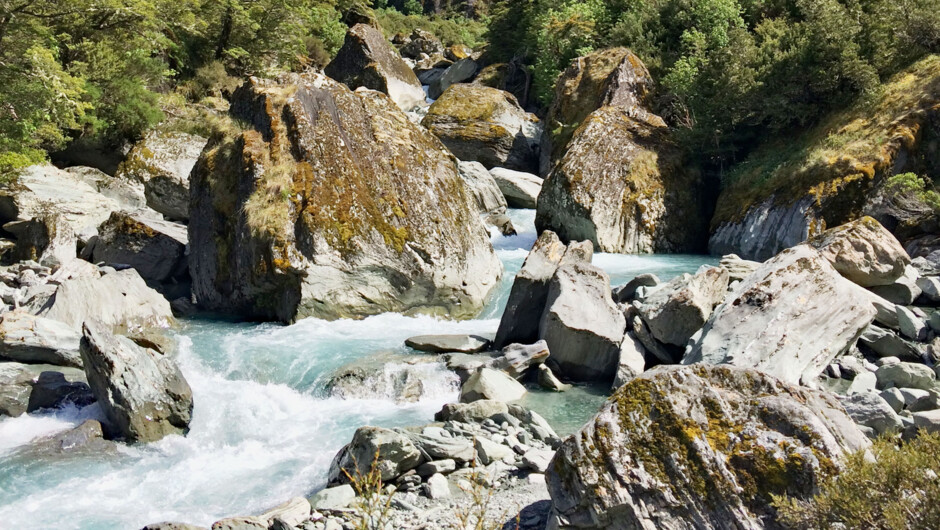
453, 30
922, 188
898, 490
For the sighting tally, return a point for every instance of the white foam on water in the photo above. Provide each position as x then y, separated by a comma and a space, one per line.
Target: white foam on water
20, 431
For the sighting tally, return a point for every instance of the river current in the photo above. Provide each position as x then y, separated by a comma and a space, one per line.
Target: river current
264, 429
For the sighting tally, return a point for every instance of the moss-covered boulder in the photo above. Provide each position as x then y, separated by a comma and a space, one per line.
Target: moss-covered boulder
698, 447
486, 125
513, 77
795, 188
421, 42
368, 60
160, 164
624, 185
613, 76
333, 204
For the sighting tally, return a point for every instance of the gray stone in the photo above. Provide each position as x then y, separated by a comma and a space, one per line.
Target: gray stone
487, 383
537, 460
16, 384
903, 291
863, 382
929, 402
459, 72
30, 339
738, 269
893, 398
850, 366
476, 411
548, 380
928, 421
627, 293
642, 333
871, 410
632, 361
156, 249
488, 198
912, 326
293, 512
489, 451
240, 523
47, 239
517, 359
448, 343
581, 324
169, 525
629, 466
141, 392
884, 343
520, 189
392, 453
864, 252
428, 469
782, 319
906, 375
681, 307
520, 320
117, 299
437, 487
51, 390
439, 447
930, 288
368, 60
911, 395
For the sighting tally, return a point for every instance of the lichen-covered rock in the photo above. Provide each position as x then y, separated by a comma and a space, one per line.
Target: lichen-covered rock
581, 324
421, 41
390, 451
368, 60
623, 185
160, 164
678, 309
333, 205
142, 393
513, 77
485, 125
156, 249
864, 252
609, 77
47, 239
698, 447
790, 319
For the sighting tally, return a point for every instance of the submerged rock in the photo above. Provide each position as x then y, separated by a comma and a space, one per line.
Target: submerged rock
701, 444
485, 125
624, 185
17, 380
448, 343
52, 390
334, 205
142, 393
790, 319
368, 60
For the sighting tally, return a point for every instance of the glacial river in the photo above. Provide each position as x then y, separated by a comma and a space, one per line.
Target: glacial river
264, 430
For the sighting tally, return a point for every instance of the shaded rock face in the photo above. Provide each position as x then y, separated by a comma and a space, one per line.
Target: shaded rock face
623, 185
610, 77
765, 230
155, 249
333, 205
142, 393
864, 252
485, 125
513, 77
17, 381
698, 447
421, 41
48, 240
790, 319
368, 60
161, 164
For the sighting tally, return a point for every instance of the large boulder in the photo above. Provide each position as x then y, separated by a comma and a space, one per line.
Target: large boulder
678, 309
156, 249
864, 252
487, 195
141, 392
485, 125
609, 77
118, 299
391, 452
333, 205
790, 319
487, 383
698, 447
581, 324
27, 338
421, 42
368, 60
462, 70
43, 189
624, 185
160, 164
523, 313
47, 239
520, 189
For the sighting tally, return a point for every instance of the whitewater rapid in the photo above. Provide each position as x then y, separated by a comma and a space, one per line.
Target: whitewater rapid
263, 430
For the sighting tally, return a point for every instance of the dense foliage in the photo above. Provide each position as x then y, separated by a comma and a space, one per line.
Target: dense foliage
896, 490
99, 68
730, 70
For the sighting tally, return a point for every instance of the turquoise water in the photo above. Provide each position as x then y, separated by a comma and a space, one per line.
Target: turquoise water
263, 428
